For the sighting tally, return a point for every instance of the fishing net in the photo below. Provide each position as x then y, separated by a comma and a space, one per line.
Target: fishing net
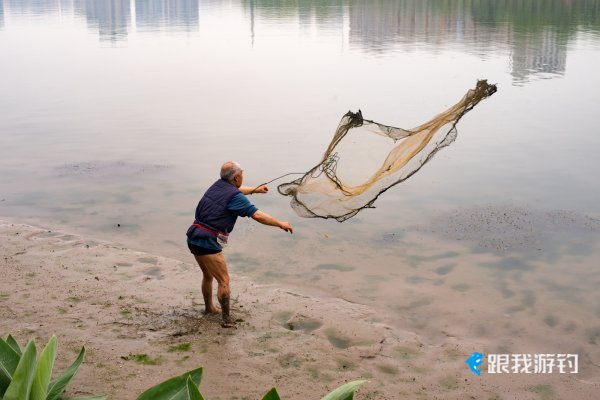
342, 184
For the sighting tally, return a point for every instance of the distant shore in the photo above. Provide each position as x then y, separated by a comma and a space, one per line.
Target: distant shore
123, 304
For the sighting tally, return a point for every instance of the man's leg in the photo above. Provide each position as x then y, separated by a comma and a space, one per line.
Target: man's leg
217, 267
207, 278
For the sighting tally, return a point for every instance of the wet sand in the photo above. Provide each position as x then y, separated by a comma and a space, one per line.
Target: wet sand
123, 304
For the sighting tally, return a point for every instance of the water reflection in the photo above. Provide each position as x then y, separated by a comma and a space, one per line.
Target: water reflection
533, 35
36, 7
325, 15
169, 15
543, 53
111, 18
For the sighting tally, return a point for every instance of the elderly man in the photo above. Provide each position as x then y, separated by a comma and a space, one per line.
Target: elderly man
216, 214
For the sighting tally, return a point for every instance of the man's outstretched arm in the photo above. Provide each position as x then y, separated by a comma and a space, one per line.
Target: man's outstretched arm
266, 219
253, 189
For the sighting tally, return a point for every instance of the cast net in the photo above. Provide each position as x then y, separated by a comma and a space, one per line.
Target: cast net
343, 183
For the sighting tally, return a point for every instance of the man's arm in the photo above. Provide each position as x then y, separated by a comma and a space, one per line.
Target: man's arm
253, 189
266, 219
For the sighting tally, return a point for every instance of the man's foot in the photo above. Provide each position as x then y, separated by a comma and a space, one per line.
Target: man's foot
229, 324
212, 310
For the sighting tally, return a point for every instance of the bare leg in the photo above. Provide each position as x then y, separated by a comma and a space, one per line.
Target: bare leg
207, 294
207, 279
216, 267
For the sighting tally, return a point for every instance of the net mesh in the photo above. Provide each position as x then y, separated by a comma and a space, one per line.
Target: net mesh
342, 184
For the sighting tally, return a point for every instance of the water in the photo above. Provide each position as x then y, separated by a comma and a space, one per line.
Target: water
116, 112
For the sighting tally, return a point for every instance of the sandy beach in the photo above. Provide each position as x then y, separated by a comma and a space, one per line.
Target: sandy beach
139, 317
117, 115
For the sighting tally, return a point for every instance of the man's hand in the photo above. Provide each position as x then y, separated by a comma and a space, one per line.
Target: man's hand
266, 219
286, 227
261, 189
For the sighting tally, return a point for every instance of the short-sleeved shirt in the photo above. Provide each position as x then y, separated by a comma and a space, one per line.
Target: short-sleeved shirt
240, 206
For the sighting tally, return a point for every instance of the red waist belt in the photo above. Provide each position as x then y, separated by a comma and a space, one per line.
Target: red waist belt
214, 232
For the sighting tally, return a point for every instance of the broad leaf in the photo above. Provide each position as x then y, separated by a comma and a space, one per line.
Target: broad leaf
9, 359
20, 386
271, 395
344, 392
57, 386
43, 371
13, 343
174, 388
192, 390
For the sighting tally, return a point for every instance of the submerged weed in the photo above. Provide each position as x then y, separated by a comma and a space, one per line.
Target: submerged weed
182, 360
545, 391
449, 382
144, 359
180, 347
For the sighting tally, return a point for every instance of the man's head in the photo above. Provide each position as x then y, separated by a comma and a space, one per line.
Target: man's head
232, 172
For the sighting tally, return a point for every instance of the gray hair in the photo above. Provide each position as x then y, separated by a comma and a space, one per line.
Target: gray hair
229, 170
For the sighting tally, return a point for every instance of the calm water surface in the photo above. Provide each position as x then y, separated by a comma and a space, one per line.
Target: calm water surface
121, 112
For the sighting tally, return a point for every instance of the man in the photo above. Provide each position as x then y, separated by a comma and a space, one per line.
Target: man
216, 215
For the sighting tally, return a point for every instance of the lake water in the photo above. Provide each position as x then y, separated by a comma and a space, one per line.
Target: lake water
118, 112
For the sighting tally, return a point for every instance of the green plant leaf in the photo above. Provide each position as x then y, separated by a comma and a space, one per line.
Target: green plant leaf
20, 386
174, 388
43, 370
57, 386
13, 343
192, 390
344, 392
271, 395
9, 359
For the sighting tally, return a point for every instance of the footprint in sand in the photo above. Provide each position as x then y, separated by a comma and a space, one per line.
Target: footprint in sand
302, 323
148, 260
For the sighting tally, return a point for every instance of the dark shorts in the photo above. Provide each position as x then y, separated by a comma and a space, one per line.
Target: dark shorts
201, 251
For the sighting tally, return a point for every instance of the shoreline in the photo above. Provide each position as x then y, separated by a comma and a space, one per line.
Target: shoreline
120, 303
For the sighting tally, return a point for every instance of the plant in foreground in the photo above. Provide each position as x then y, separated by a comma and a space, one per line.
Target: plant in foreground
185, 387
23, 376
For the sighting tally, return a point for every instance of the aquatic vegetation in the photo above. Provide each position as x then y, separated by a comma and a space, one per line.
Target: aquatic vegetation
180, 347
144, 359
23, 376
